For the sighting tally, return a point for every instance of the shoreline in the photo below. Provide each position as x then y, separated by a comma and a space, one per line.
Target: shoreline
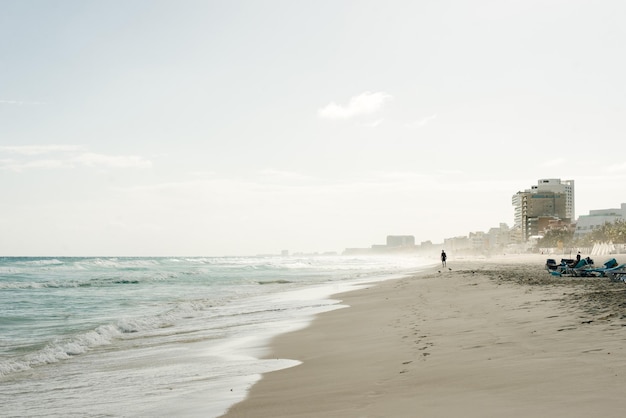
487, 338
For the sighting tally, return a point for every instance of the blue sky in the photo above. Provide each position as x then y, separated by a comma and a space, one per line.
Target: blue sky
246, 127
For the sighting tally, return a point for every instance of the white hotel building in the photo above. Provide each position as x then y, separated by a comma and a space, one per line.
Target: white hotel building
597, 218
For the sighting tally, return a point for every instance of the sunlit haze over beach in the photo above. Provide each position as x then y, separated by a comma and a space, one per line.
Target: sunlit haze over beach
148, 128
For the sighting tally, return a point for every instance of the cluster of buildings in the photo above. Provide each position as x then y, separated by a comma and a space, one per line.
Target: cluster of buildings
549, 204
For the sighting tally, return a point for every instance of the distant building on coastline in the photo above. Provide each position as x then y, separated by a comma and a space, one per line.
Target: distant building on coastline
395, 244
394, 241
458, 245
499, 237
479, 242
596, 218
496, 240
536, 208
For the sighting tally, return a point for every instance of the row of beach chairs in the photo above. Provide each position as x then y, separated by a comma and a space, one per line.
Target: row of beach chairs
585, 268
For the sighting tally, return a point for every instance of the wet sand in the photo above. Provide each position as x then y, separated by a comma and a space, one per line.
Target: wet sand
484, 338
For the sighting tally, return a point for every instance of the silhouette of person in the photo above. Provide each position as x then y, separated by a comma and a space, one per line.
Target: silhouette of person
574, 263
443, 258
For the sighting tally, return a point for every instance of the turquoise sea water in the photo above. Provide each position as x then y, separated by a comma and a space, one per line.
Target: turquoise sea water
157, 336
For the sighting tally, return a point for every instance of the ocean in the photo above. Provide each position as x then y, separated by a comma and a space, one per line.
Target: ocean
162, 336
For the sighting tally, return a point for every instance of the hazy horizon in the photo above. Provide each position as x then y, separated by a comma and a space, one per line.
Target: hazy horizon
208, 128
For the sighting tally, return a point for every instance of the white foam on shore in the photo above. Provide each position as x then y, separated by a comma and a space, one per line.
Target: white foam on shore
258, 345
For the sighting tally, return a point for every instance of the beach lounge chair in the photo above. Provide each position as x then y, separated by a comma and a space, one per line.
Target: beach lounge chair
608, 267
557, 269
617, 274
610, 263
551, 264
582, 269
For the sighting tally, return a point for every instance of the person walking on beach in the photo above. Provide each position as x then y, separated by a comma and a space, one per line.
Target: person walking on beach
443, 258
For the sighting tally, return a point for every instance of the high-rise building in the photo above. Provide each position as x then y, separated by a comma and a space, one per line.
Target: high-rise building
565, 187
550, 199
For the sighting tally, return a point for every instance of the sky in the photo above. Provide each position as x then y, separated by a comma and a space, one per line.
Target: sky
214, 128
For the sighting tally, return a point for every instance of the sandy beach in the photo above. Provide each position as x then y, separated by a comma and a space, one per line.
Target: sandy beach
485, 338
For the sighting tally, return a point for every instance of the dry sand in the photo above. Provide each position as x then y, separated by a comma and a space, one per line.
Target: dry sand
490, 338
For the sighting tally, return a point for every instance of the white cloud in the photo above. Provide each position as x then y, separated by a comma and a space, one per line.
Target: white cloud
421, 122
19, 166
91, 159
65, 156
363, 104
39, 149
373, 124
